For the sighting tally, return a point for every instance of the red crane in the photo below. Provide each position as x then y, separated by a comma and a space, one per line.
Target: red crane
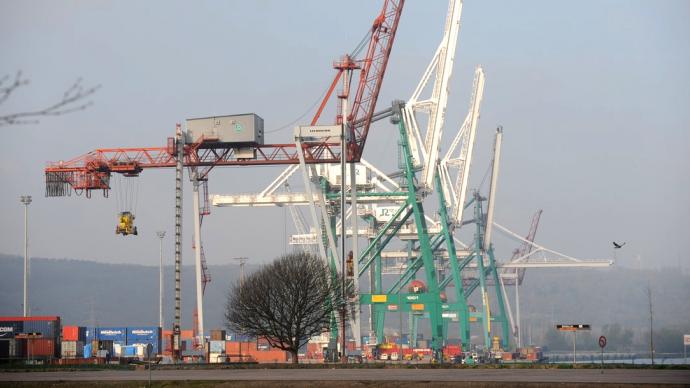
92, 171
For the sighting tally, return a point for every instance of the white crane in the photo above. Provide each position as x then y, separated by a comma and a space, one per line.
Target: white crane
441, 66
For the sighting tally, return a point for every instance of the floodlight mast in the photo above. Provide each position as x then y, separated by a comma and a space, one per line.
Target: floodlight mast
26, 201
161, 236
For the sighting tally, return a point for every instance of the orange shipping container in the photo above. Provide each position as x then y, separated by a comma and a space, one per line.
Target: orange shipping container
268, 356
314, 348
185, 334
40, 347
233, 347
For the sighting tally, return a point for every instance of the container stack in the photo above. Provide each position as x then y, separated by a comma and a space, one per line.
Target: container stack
167, 342
73, 341
10, 348
30, 337
142, 336
217, 347
110, 341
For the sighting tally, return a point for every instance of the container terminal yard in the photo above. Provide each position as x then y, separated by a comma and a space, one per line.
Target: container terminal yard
413, 262
44, 340
415, 244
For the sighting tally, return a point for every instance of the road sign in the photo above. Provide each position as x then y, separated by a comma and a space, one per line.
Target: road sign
573, 327
686, 340
149, 349
602, 342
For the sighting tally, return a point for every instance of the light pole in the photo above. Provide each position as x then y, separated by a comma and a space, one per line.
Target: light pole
241, 260
161, 235
26, 200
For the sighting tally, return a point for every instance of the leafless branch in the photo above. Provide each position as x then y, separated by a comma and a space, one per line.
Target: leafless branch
75, 98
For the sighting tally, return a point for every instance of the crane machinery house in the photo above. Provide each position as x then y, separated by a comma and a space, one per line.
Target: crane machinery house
245, 130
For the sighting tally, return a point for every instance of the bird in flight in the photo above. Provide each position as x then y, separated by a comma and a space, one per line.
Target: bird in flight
617, 245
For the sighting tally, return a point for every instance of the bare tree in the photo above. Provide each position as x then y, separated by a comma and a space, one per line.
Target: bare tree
75, 98
286, 302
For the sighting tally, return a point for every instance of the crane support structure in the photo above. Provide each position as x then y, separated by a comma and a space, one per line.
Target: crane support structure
92, 171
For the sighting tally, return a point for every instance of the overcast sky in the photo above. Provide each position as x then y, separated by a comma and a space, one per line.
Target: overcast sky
594, 97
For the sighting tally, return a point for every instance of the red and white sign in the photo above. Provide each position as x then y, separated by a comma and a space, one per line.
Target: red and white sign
686, 340
602, 341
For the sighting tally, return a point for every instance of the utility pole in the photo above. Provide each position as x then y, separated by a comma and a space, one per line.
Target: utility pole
344, 142
26, 200
197, 256
241, 260
651, 322
161, 235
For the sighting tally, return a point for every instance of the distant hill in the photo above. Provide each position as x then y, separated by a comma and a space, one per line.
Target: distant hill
90, 293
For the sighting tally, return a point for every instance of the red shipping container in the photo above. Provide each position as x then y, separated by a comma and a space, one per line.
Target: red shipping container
184, 334
452, 350
73, 333
40, 347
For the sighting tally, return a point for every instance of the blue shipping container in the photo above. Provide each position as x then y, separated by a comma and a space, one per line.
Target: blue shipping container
9, 328
145, 335
115, 334
48, 329
129, 351
90, 334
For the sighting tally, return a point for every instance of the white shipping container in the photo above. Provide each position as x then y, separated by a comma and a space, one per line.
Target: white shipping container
217, 347
217, 358
72, 349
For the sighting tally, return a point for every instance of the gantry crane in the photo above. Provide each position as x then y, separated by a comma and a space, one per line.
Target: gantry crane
93, 170
440, 68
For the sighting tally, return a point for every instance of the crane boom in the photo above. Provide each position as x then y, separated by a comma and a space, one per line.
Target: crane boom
526, 247
92, 171
371, 75
468, 136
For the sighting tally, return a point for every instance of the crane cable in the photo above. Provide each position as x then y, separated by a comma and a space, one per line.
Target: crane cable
127, 194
